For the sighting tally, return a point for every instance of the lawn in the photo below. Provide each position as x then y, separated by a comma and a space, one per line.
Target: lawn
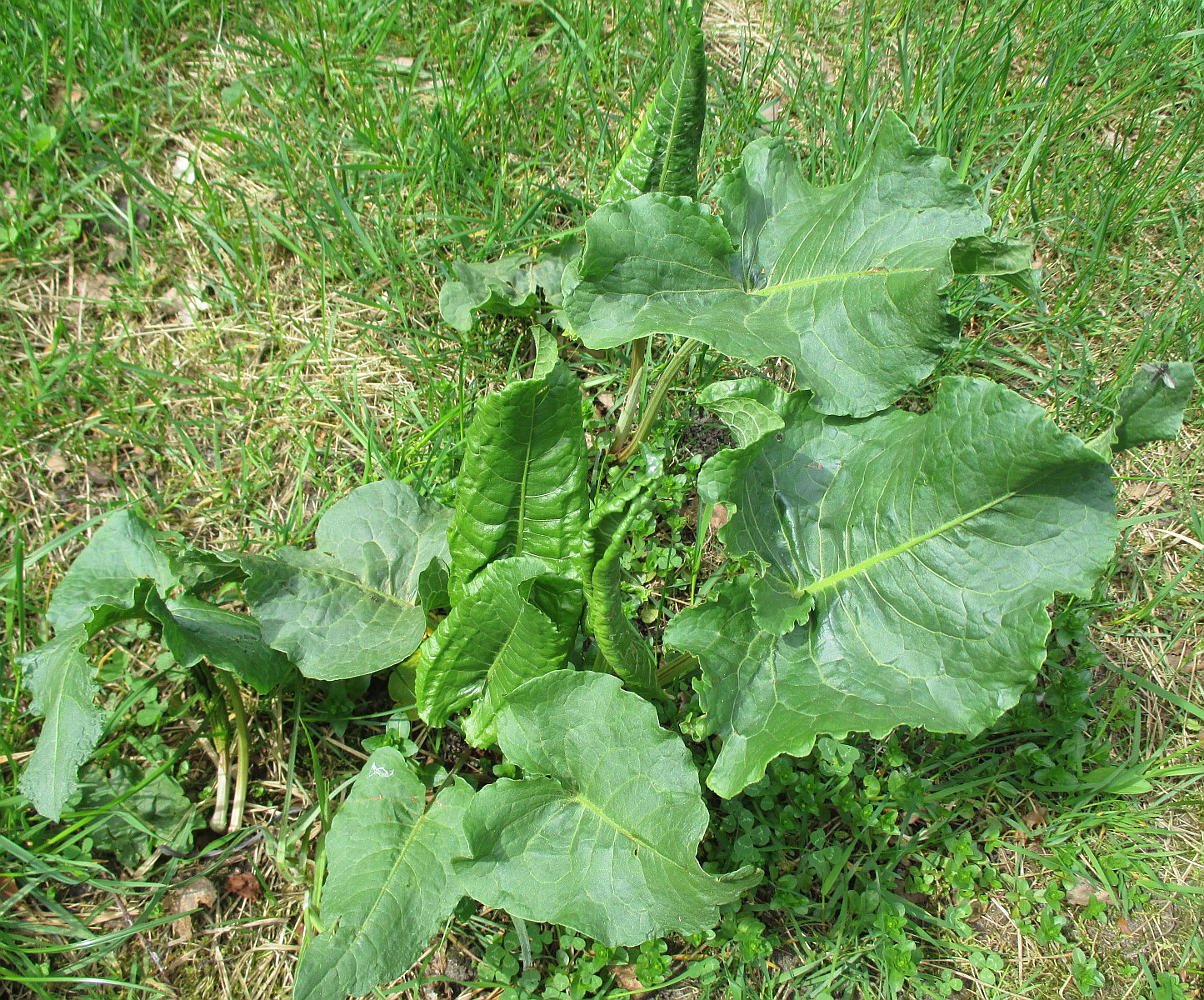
223, 234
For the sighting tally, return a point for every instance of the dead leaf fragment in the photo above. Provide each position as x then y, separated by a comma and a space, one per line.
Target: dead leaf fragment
1083, 892
200, 893
719, 517
625, 978
244, 885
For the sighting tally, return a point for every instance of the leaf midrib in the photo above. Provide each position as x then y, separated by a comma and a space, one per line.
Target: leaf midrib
360, 930
582, 800
346, 576
865, 565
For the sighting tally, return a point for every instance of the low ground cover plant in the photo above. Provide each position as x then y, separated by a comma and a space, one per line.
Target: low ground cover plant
885, 565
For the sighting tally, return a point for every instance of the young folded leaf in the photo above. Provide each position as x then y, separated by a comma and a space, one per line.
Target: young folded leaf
919, 551
844, 281
352, 605
389, 885
522, 487
602, 833
498, 635
624, 649
663, 153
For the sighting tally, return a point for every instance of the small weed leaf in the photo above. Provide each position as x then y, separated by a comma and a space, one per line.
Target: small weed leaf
512, 286
1151, 406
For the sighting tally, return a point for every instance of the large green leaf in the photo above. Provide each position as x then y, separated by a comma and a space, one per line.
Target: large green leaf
120, 555
602, 833
498, 635
194, 630
352, 605
844, 281
389, 884
522, 487
918, 552
61, 680
663, 153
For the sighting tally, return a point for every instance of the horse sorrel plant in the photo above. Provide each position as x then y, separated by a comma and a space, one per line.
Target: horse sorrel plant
884, 567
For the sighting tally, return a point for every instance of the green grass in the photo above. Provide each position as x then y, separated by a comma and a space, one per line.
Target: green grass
343, 152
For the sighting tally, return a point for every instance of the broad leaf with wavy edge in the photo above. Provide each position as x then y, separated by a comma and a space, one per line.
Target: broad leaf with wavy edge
389, 885
602, 833
844, 281
502, 632
920, 552
522, 487
60, 678
352, 605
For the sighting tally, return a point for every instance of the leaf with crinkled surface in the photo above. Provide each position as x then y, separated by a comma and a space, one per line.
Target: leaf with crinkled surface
389, 884
663, 153
602, 833
922, 551
511, 286
624, 649
121, 553
522, 488
352, 605
496, 637
844, 281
